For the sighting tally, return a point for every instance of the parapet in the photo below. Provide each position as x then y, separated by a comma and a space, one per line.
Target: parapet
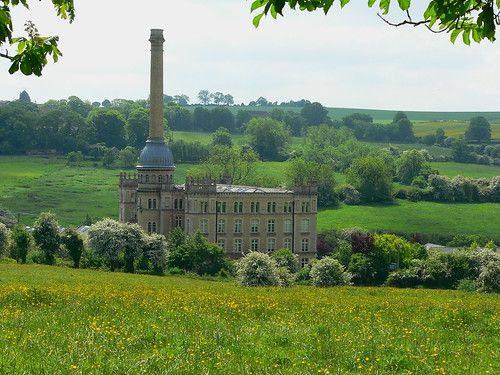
128, 180
306, 190
200, 185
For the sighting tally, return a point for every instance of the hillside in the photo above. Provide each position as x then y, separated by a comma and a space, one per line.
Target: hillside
62, 320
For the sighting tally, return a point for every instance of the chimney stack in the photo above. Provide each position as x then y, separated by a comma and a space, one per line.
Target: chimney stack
156, 86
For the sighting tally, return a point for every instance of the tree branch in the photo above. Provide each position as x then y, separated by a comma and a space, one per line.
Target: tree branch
405, 22
6, 56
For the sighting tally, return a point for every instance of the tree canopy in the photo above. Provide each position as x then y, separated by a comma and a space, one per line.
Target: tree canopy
474, 19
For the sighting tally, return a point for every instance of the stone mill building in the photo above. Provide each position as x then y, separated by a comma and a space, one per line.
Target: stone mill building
237, 218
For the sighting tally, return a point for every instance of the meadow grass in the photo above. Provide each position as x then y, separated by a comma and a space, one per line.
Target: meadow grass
417, 217
56, 320
452, 169
451, 128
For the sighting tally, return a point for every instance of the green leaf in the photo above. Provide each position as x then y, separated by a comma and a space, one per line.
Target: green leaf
466, 37
257, 4
26, 67
256, 19
455, 33
404, 4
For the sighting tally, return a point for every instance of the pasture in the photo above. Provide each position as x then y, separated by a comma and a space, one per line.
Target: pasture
56, 320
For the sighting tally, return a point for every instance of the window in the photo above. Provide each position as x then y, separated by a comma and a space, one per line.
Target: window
271, 225
271, 245
178, 221
221, 226
153, 227
238, 207
221, 207
149, 227
254, 245
204, 207
153, 178
305, 207
237, 225
154, 203
254, 226
147, 178
304, 262
176, 204
237, 245
271, 207
287, 226
160, 178
181, 204
221, 242
287, 243
305, 244
204, 226
254, 207
150, 203
287, 208
305, 226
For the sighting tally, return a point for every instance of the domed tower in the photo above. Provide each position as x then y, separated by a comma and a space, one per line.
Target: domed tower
156, 163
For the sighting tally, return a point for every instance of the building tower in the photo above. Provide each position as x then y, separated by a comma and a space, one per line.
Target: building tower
156, 164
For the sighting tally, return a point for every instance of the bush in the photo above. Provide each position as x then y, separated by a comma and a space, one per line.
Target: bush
285, 258
445, 270
361, 269
467, 285
46, 235
489, 278
257, 269
304, 275
342, 252
4, 239
406, 278
329, 272
350, 195
419, 182
285, 277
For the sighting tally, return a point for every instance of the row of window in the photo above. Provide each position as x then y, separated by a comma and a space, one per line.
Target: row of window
153, 178
255, 207
255, 226
152, 228
255, 244
178, 204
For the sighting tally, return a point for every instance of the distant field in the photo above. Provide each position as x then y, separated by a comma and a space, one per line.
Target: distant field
206, 138
418, 217
56, 320
433, 150
452, 169
451, 128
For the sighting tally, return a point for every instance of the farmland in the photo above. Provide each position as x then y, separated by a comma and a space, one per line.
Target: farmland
61, 320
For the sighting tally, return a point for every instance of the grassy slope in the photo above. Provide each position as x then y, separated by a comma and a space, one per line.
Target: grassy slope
60, 320
418, 217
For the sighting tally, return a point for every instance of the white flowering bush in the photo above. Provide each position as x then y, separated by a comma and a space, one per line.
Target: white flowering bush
489, 278
285, 277
155, 251
107, 239
257, 269
329, 272
4, 239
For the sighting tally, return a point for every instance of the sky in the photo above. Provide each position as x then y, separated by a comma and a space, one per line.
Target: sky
349, 58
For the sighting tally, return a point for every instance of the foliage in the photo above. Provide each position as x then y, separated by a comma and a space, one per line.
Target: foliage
268, 138
372, 178
409, 166
461, 151
314, 114
397, 250
350, 195
7, 218
489, 278
21, 240
479, 129
361, 269
287, 259
328, 272
107, 125
137, 127
257, 269
106, 238
156, 251
46, 235
404, 278
134, 241
445, 270
4, 240
128, 157
74, 244
222, 137
74, 158
474, 19
285, 277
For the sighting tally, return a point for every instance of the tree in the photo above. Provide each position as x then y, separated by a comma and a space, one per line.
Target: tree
137, 127
440, 136
286, 258
202, 119
106, 238
228, 99
21, 240
109, 157
133, 244
268, 137
314, 114
107, 126
476, 19
128, 157
460, 151
221, 117
204, 97
222, 137
242, 119
46, 235
479, 130
409, 166
74, 158
79, 106
372, 178
217, 97
295, 123
181, 99
4, 239
328, 272
24, 97
7, 217
74, 244
155, 250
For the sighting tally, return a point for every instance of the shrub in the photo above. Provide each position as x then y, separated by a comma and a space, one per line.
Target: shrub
342, 252
4, 239
285, 277
467, 285
21, 241
361, 269
329, 272
361, 240
419, 182
405, 278
489, 278
304, 274
257, 269
350, 195
46, 235
444, 270
285, 258
155, 250
74, 244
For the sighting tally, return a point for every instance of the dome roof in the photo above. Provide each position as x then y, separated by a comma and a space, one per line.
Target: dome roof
156, 155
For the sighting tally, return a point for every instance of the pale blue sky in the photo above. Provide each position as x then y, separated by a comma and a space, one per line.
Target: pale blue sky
347, 59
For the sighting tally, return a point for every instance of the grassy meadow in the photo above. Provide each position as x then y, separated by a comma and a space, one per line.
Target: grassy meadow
30, 185
56, 320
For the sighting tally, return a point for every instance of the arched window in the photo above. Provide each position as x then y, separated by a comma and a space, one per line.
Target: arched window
154, 227
154, 203
150, 204
153, 178
147, 178
149, 227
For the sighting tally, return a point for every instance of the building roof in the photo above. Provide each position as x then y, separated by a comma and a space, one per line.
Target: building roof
222, 188
156, 155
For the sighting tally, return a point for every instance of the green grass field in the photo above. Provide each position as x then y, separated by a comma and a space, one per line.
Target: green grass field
418, 217
206, 138
56, 320
452, 169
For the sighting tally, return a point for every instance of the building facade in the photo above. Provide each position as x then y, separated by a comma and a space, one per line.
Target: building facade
238, 218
